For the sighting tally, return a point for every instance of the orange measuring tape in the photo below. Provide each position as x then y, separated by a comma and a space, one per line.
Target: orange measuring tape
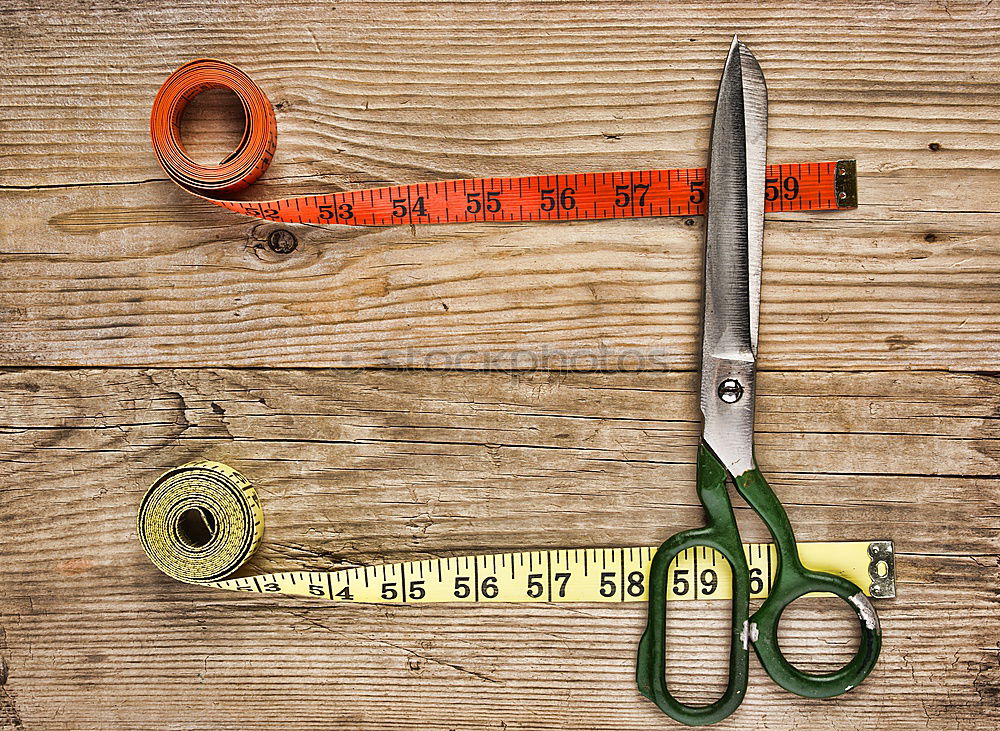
813, 186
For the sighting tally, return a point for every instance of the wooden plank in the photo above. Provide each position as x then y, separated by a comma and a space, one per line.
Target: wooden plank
105, 263
480, 89
87, 662
356, 467
592, 295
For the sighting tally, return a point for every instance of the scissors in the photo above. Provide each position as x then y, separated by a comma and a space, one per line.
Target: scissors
733, 252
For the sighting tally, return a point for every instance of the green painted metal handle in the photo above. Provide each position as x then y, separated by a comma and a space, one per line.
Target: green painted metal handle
792, 581
720, 533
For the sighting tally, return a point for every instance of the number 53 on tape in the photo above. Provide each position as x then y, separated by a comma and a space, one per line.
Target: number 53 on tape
811, 186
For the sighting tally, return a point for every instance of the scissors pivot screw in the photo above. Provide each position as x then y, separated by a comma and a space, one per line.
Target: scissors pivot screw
730, 390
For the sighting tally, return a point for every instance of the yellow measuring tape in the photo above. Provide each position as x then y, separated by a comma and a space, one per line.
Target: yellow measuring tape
201, 521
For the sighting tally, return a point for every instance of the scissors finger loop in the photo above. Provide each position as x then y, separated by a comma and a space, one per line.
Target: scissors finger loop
798, 582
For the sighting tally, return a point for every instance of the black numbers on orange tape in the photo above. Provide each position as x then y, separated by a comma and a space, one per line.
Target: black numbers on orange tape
791, 186
697, 191
625, 194
474, 202
399, 207
549, 199
788, 188
345, 212
564, 198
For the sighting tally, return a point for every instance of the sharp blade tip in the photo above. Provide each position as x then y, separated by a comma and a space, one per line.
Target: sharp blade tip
739, 45
739, 48
734, 51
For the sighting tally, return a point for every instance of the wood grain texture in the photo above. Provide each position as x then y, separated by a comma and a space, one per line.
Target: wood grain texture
141, 328
107, 263
356, 467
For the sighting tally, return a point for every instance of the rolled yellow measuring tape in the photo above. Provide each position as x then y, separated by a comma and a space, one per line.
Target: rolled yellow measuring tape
200, 522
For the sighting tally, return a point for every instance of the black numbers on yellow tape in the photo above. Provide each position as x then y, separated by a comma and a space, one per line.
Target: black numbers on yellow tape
231, 517
563, 575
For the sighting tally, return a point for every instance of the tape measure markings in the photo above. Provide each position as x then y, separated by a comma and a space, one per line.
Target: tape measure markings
579, 196
559, 575
812, 186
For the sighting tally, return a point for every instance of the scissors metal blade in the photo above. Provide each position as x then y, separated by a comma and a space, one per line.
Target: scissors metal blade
733, 249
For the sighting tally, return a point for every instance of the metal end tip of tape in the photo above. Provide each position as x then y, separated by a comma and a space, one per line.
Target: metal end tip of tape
846, 184
882, 570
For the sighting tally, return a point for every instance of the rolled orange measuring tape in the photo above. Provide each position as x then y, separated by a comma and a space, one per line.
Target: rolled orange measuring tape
814, 186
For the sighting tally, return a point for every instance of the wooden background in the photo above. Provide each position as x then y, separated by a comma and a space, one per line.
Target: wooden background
430, 391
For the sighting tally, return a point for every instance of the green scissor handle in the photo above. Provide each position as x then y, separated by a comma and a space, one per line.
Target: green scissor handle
720, 533
792, 581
